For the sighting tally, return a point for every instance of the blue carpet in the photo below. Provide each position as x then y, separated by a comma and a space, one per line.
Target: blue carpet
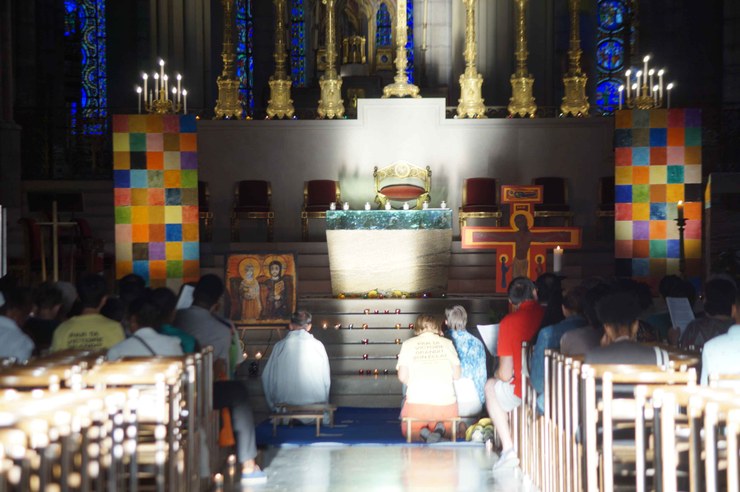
352, 426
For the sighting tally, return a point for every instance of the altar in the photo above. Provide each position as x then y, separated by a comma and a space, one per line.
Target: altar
389, 252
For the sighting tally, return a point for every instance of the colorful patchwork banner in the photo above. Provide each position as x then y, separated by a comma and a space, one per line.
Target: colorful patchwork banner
155, 180
658, 164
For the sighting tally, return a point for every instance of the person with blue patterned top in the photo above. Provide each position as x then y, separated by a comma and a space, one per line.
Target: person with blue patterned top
472, 354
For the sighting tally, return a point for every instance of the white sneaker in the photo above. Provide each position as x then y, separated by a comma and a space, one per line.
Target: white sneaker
508, 459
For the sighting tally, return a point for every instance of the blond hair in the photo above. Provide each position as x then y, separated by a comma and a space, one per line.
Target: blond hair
427, 323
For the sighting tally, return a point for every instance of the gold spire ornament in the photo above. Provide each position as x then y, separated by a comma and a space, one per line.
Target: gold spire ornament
522, 101
470, 102
330, 104
227, 104
280, 104
575, 102
400, 86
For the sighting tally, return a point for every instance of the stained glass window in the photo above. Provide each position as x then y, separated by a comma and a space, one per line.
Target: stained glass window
410, 40
245, 55
613, 16
84, 29
383, 32
298, 43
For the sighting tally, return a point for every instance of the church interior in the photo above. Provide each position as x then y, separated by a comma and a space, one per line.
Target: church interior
393, 158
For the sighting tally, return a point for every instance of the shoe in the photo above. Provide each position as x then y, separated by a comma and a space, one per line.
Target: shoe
424, 433
440, 429
508, 459
254, 478
429, 436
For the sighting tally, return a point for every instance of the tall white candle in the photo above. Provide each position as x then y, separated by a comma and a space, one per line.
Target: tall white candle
639, 83
621, 90
179, 88
145, 76
156, 86
645, 71
651, 72
161, 68
138, 92
185, 101
668, 88
166, 85
557, 259
628, 84
655, 94
174, 95
660, 83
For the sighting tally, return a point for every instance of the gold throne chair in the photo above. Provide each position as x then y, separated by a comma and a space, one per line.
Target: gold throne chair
402, 182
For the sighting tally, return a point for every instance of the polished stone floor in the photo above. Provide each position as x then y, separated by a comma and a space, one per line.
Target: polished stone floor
436, 467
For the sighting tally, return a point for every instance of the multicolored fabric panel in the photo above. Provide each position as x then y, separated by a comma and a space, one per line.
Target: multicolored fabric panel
155, 174
658, 164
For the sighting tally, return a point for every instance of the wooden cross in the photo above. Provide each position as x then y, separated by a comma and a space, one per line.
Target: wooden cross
521, 248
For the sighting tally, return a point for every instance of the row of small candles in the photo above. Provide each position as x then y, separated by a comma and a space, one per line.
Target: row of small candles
162, 91
346, 206
644, 86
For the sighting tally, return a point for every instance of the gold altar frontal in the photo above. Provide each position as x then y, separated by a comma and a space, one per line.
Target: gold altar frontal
393, 252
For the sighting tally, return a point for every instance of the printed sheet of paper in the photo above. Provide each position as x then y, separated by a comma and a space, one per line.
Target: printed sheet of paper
680, 311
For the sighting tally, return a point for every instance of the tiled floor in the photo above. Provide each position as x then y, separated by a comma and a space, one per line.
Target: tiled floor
385, 468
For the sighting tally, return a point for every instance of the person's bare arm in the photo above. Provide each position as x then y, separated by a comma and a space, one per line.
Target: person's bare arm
505, 368
456, 371
403, 374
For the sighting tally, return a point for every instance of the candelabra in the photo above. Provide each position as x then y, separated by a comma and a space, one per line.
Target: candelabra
400, 86
681, 223
330, 104
470, 102
227, 104
158, 100
575, 101
521, 102
280, 104
641, 92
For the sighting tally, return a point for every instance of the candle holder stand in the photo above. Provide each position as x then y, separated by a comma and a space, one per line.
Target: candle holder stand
681, 223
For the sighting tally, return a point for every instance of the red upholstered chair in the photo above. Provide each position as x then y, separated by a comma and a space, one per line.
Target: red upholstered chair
205, 216
317, 197
555, 199
252, 200
402, 182
606, 197
479, 200
33, 266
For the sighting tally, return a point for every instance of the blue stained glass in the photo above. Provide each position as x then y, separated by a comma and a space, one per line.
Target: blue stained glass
410, 41
383, 26
611, 15
610, 55
607, 95
298, 44
70, 17
245, 54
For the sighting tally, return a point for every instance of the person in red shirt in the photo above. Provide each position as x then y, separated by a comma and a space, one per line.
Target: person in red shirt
504, 391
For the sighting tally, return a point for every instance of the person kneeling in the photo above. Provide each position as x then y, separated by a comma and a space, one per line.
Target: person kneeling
428, 365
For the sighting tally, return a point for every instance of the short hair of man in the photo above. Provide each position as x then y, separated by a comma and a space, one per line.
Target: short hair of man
521, 289
619, 310
145, 311
427, 323
166, 300
130, 287
47, 295
549, 288
91, 290
573, 299
300, 319
591, 300
457, 317
208, 290
19, 298
719, 296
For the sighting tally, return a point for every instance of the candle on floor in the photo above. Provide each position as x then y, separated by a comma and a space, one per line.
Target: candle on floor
557, 259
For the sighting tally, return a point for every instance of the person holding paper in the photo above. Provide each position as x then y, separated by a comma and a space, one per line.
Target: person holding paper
719, 297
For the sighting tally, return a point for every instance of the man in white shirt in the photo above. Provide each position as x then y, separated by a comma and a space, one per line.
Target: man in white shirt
144, 319
720, 353
297, 372
15, 307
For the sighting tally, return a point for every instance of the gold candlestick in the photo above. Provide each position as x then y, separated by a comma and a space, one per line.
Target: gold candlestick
470, 102
401, 87
330, 104
227, 104
522, 101
280, 104
575, 102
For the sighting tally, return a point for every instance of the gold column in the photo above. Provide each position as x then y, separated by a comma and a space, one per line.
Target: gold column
227, 104
401, 87
330, 104
470, 102
522, 101
280, 104
575, 102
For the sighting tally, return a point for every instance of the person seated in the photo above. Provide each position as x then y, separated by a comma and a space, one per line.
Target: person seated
145, 340
472, 355
89, 330
15, 308
619, 313
167, 302
549, 338
47, 301
201, 321
720, 353
428, 364
719, 298
504, 390
297, 371
660, 319
550, 297
578, 341
130, 287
